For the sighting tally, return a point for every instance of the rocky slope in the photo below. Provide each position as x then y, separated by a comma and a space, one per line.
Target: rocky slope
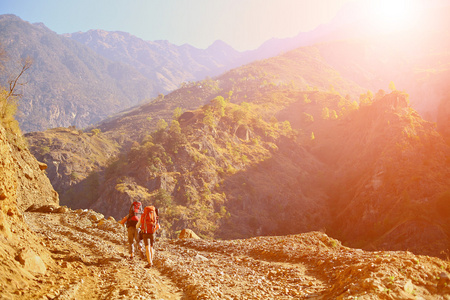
22, 184
242, 172
23, 179
56, 253
68, 83
72, 156
389, 174
89, 260
165, 64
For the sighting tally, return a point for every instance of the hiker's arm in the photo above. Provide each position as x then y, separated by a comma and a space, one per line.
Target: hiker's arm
123, 220
138, 224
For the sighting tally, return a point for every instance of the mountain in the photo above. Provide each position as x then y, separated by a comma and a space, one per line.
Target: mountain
68, 84
86, 255
261, 150
51, 251
165, 64
416, 60
114, 71
302, 69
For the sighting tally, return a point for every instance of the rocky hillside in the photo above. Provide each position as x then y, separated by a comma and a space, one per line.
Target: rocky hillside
22, 184
71, 156
23, 179
165, 64
88, 259
53, 252
389, 173
82, 78
268, 145
68, 84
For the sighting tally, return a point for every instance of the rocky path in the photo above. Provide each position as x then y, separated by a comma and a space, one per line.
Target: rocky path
210, 271
92, 262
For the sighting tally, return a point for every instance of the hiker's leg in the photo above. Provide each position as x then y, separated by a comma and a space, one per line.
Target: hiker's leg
148, 254
147, 247
152, 253
131, 232
135, 239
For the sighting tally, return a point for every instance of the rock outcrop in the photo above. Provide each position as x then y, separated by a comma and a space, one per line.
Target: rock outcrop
188, 234
23, 183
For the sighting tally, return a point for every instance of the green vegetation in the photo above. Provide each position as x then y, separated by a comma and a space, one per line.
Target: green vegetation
271, 148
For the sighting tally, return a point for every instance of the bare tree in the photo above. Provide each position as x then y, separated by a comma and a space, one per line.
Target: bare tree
14, 82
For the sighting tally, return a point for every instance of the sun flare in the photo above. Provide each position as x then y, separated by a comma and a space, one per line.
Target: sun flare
393, 15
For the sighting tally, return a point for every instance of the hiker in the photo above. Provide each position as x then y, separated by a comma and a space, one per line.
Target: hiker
148, 225
133, 217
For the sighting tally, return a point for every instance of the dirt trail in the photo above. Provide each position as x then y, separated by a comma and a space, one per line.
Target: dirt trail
92, 262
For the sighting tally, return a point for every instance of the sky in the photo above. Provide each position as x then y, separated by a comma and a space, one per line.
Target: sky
242, 24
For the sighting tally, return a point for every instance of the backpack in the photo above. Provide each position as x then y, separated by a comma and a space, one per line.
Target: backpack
149, 220
135, 213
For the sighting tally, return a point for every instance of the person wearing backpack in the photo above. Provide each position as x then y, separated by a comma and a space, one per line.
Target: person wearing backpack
149, 225
133, 217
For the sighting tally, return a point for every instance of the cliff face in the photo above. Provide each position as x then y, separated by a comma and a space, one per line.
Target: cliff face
8, 186
22, 183
71, 156
23, 177
391, 179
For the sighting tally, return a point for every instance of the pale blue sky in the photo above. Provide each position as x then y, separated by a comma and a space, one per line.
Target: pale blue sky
243, 24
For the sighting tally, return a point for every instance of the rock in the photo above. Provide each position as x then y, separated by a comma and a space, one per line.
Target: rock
200, 257
62, 210
188, 234
31, 261
4, 226
409, 286
95, 217
46, 208
42, 165
444, 281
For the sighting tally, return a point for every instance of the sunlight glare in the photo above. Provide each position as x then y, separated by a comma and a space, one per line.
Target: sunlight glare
389, 16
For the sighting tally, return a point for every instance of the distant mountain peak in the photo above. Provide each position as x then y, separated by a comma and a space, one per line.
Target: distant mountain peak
220, 45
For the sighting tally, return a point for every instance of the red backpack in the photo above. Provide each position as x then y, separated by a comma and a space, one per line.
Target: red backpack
149, 220
135, 211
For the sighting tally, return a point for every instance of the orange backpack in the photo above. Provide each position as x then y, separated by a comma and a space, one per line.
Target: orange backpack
149, 220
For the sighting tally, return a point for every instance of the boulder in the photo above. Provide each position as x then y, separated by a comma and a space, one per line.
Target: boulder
31, 261
188, 234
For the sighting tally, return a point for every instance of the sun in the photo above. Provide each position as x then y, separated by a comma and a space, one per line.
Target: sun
393, 15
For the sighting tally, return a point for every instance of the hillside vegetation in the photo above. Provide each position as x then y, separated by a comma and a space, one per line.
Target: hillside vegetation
268, 153
53, 252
